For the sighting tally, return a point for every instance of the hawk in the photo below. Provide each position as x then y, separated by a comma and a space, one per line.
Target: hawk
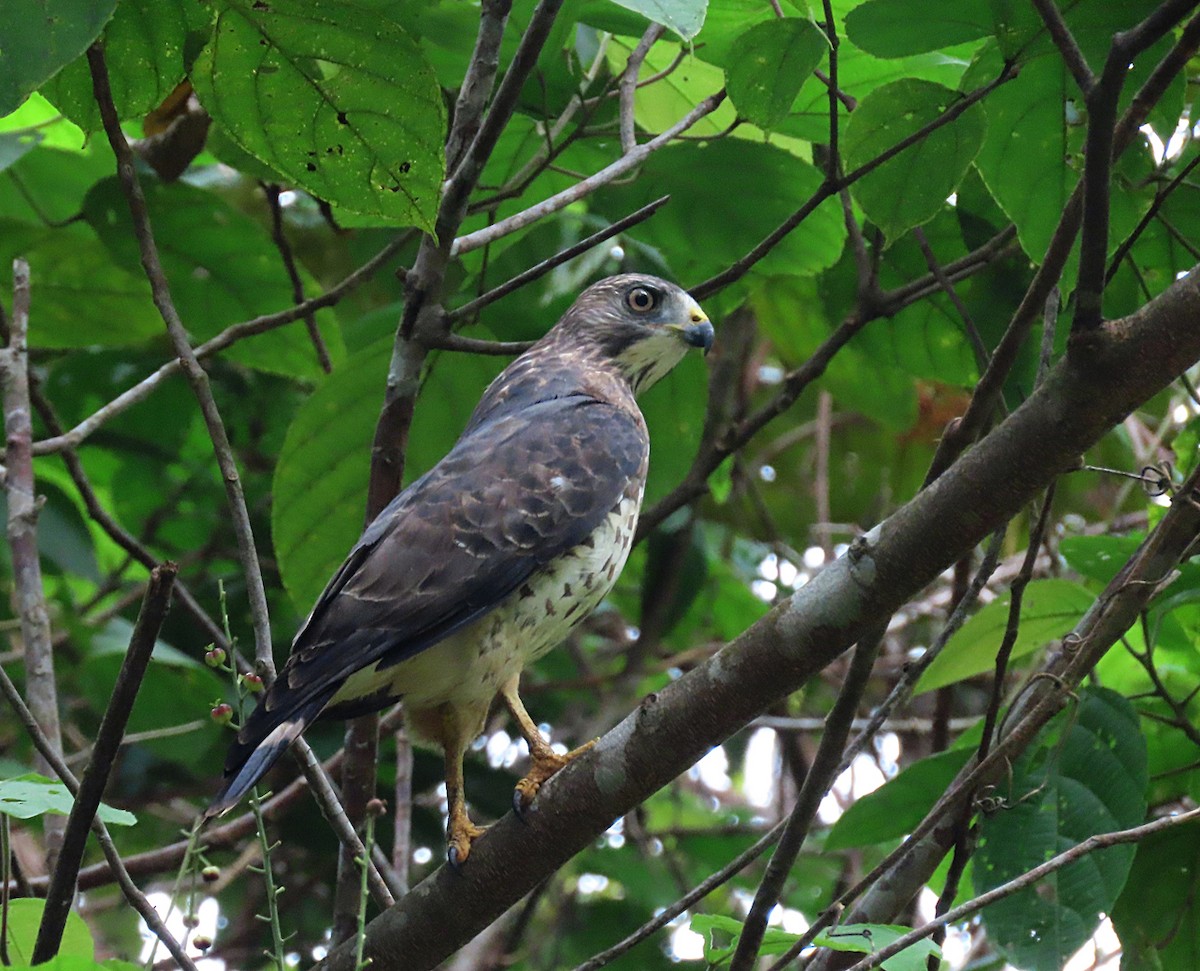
489, 560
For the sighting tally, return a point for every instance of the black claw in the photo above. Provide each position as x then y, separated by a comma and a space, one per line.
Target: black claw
452, 859
519, 805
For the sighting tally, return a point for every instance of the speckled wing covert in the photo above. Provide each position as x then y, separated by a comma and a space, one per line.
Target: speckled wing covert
527, 482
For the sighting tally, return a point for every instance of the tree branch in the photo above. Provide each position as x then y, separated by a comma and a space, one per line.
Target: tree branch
23, 507
61, 895
195, 374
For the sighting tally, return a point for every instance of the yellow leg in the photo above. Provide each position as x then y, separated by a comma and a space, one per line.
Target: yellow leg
460, 831
545, 760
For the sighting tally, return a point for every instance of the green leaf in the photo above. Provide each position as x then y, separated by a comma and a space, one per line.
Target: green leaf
15, 145
1086, 776
1098, 558
895, 28
222, 268
24, 918
80, 298
855, 938
40, 36
771, 185
29, 795
143, 48
1157, 916
333, 95
897, 806
685, 17
911, 188
176, 690
1049, 609
768, 65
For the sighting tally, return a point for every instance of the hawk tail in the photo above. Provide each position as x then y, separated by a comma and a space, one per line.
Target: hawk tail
259, 747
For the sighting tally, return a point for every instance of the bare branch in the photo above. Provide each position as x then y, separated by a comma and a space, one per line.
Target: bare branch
1064, 40
628, 88
29, 595
195, 374
61, 895
583, 188
273, 192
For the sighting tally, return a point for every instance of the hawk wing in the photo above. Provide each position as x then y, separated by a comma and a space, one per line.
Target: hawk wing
516, 491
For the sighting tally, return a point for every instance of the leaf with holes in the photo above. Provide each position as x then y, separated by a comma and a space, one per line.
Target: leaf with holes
332, 95
1086, 775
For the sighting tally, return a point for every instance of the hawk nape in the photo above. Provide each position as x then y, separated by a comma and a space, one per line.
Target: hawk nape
487, 561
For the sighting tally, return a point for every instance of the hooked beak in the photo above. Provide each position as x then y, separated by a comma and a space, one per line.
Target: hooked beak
699, 334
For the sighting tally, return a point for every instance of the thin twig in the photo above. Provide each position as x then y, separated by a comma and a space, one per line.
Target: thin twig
628, 85
583, 188
829, 187
468, 310
1064, 40
820, 777
61, 895
279, 237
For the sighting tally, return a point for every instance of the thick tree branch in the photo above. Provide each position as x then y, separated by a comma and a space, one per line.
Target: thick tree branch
1135, 358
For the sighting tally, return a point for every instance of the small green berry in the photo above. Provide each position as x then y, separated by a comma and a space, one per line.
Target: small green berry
223, 714
215, 657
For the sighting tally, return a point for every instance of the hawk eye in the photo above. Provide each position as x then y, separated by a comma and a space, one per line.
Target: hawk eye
641, 300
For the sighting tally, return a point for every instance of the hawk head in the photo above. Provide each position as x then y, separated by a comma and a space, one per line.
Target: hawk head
641, 324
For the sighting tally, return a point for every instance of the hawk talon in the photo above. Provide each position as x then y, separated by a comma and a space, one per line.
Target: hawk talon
545, 764
461, 835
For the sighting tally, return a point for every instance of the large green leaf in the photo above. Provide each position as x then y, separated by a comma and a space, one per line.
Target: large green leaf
143, 48
39, 37
222, 268
685, 17
30, 795
911, 188
704, 231
335, 96
898, 805
768, 65
176, 690
1157, 916
1049, 609
24, 918
1086, 776
80, 298
895, 28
